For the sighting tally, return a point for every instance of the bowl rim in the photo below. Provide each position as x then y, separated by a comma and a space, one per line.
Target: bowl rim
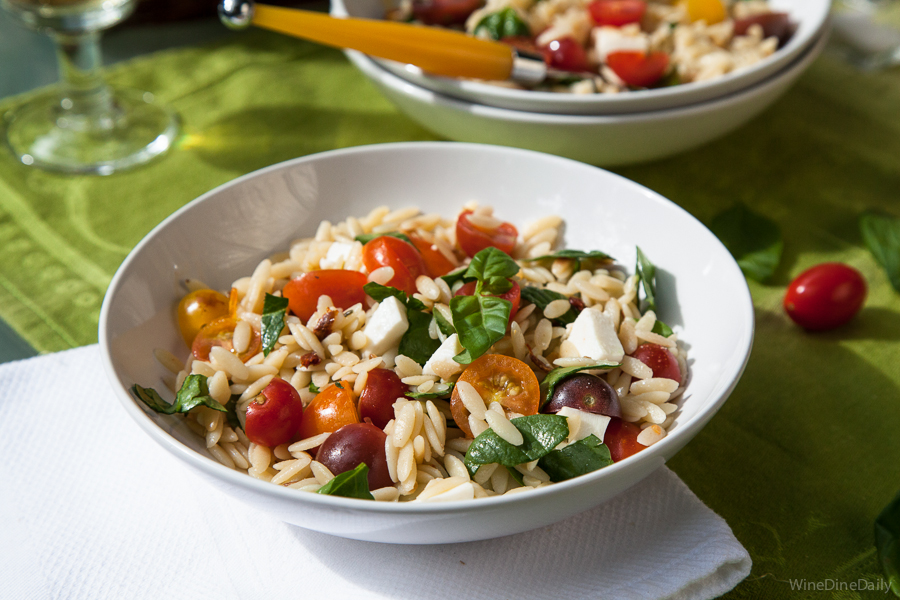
213, 468
670, 96
371, 68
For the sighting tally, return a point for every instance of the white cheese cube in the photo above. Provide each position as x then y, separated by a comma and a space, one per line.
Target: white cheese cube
386, 326
594, 336
337, 255
588, 423
613, 39
444, 355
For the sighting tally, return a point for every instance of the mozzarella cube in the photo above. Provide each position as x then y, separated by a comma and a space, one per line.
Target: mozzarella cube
337, 255
588, 423
613, 39
444, 355
594, 336
386, 326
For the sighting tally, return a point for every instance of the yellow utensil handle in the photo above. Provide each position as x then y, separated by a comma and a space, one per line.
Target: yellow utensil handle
438, 51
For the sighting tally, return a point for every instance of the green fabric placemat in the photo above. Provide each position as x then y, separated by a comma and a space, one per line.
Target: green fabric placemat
801, 458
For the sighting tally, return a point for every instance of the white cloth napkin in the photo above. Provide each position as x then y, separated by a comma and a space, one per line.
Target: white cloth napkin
91, 508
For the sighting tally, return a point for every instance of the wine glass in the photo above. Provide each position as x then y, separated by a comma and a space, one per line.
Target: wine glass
84, 126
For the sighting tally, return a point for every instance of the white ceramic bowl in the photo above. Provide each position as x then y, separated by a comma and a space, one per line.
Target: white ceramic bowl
810, 16
702, 294
600, 140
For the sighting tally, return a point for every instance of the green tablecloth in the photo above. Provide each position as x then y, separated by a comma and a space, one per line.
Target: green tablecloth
800, 459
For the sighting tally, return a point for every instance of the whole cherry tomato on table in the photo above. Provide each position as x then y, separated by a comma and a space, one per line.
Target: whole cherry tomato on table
198, 309
616, 13
825, 296
376, 402
513, 295
275, 415
345, 288
662, 362
436, 264
499, 378
472, 239
621, 439
402, 257
638, 69
221, 333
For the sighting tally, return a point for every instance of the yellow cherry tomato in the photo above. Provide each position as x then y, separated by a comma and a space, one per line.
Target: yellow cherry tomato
198, 309
711, 11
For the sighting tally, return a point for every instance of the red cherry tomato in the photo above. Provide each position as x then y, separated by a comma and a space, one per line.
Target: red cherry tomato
221, 333
376, 402
825, 296
621, 439
616, 13
638, 68
344, 287
660, 360
775, 24
513, 294
436, 264
388, 251
472, 239
275, 415
444, 12
566, 54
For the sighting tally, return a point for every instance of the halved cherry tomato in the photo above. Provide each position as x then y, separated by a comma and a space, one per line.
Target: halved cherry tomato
344, 287
711, 11
616, 13
275, 415
660, 361
388, 251
436, 264
444, 12
220, 333
513, 294
198, 309
825, 296
499, 378
472, 239
376, 402
567, 54
330, 410
638, 69
774, 24
621, 439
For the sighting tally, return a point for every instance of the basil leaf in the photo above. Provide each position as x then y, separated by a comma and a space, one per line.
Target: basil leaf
515, 475
646, 270
541, 433
193, 393
432, 395
504, 23
349, 484
754, 241
887, 541
274, 310
481, 322
443, 324
493, 267
417, 342
313, 388
379, 292
555, 376
455, 276
542, 297
231, 417
583, 456
881, 233
662, 329
577, 255
365, 238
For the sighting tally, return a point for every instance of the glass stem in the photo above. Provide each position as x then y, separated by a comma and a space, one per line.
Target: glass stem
84, 94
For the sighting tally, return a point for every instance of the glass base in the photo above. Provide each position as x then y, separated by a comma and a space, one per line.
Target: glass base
44, 134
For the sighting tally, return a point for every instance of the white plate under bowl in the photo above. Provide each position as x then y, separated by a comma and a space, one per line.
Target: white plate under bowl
599, 140
223, 234
810, 16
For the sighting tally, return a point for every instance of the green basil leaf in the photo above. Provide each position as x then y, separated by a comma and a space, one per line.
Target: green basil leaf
576, 255
365, 238
492, 264
231, 416
458, 275
542, 297
504, 23
555, 376
662, 329
887, 541
274, 310
754, 241
379, 292
520, 479
646, 270
417, 342
541, 433
881, 233
481, 322
313, 388
432, 395
443, 324
349, 484
193, 393
583, 456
